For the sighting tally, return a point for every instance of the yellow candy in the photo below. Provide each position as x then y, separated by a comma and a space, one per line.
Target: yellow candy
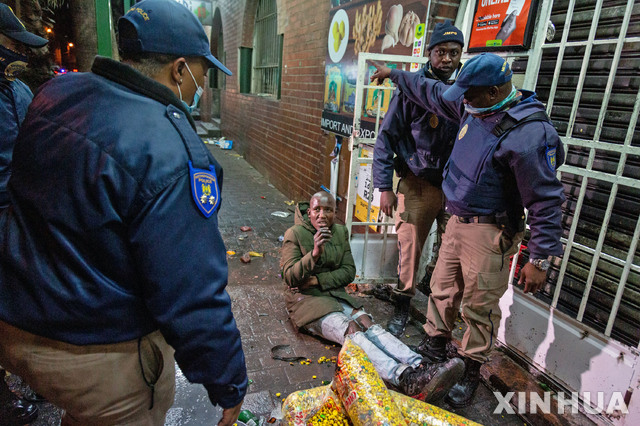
362, 391
418, 412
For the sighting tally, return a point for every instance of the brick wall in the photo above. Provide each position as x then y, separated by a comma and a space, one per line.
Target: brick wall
282, 138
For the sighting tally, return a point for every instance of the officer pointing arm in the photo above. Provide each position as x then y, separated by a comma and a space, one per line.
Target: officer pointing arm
416, 144
504, 160
473, 97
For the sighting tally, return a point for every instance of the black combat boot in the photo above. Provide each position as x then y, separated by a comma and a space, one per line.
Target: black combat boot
13, 410
461, 394
424, 285
430, 383
433, 349
398, 322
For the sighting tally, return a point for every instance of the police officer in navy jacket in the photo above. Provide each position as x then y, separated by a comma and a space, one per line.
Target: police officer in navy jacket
110, 254
504, 158
417, 144
15, 97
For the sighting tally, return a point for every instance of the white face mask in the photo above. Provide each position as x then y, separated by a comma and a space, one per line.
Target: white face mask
196, 96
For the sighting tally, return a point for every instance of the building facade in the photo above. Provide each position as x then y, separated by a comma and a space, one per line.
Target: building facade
278, 130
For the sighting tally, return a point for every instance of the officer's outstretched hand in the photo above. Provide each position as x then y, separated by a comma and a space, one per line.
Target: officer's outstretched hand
532, 278
382, 72
388, 202
230, 415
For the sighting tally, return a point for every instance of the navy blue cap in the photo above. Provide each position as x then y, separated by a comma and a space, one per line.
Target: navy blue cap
445, 32
13, 28
485, 69
164, 26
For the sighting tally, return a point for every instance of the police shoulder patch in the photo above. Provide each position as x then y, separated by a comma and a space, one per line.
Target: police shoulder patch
204, 189
550, 155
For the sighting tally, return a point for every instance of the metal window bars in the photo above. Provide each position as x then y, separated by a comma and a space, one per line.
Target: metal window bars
266, 50
589, 173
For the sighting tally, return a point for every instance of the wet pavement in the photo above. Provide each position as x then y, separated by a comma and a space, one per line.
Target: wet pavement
256, 290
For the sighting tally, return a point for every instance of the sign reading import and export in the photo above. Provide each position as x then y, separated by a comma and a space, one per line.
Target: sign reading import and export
376, 26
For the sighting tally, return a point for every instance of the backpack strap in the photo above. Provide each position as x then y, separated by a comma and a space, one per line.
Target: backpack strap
507, 123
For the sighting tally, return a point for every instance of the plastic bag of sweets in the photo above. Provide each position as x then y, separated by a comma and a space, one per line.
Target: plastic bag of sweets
362, 391
420, 413
316, 406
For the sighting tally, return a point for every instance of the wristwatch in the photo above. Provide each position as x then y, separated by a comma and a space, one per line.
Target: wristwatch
542, 264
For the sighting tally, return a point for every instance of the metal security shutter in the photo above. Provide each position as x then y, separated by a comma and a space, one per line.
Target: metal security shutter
589, 79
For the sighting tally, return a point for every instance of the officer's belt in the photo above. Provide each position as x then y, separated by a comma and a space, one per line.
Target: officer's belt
478, 219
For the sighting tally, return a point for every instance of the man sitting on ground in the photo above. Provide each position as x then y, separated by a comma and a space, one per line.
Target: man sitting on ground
317, 265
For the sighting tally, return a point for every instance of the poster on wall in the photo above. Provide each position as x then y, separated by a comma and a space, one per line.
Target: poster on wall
395, 27
502, 25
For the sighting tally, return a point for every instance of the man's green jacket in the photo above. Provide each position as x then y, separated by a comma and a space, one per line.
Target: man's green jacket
334, 269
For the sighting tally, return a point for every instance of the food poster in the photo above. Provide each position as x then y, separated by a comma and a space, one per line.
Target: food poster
502, 25
378, 97
377, 26
333, 88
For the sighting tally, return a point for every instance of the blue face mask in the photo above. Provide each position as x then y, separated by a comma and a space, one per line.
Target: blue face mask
196, 96
494, 108
12, 63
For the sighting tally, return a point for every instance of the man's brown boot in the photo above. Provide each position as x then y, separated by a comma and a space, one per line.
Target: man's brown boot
431, 383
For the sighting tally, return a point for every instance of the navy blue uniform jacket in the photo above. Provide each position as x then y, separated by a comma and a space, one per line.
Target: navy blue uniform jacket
421, 139
15, 97
103, 242
521, 152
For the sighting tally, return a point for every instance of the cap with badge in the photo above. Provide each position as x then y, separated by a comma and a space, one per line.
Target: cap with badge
486, 69
167, 27
445, 32
13, 28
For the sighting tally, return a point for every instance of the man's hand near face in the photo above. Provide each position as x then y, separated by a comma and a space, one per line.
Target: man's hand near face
322, 236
